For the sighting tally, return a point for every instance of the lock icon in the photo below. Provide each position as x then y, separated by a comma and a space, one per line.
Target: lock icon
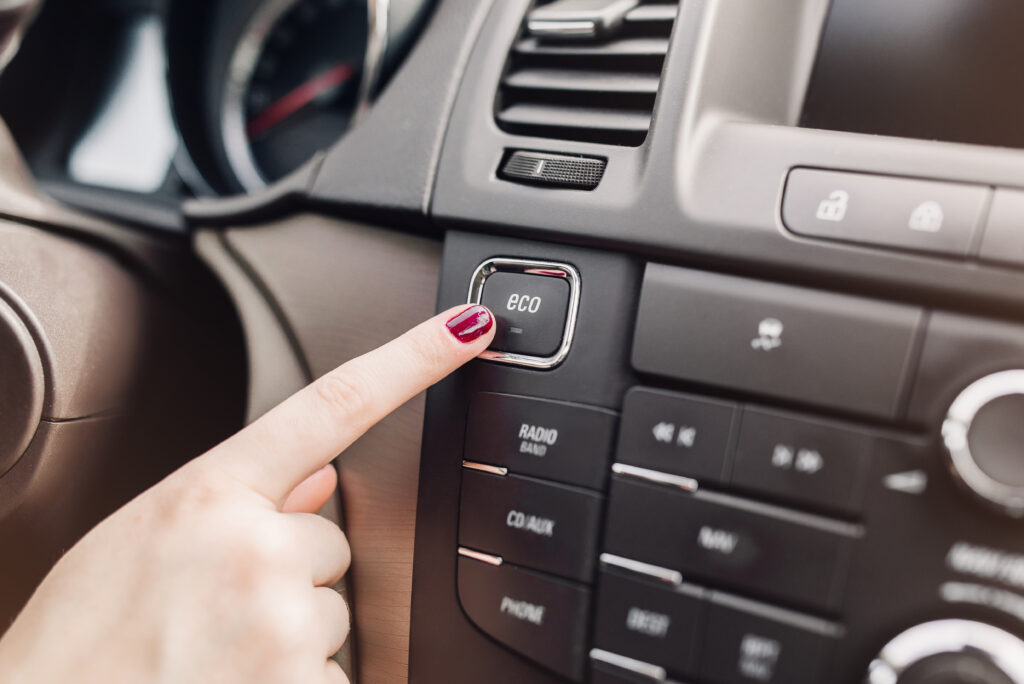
833, 207
926, 218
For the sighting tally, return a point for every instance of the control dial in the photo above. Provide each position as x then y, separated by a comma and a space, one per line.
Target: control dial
950, 652
984, 436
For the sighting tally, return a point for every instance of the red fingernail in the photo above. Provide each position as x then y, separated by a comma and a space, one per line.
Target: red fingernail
471, 323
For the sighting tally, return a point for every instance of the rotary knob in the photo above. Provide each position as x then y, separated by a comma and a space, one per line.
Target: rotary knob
950, 652
984, 436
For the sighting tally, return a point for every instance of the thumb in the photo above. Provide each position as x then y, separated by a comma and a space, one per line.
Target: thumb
312, 493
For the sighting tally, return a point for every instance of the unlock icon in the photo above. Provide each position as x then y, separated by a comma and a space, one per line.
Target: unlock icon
833, 207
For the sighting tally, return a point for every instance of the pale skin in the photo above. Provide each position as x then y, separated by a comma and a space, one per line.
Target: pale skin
222, 572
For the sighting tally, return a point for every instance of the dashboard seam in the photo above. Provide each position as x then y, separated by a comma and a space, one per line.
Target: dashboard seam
455, 85
272, 304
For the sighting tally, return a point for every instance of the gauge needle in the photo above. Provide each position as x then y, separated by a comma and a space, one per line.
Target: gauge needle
284, 107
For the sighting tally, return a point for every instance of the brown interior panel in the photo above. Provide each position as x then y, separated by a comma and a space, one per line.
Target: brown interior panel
340, 289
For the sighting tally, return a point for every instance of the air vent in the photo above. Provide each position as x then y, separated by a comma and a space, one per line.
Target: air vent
590, 75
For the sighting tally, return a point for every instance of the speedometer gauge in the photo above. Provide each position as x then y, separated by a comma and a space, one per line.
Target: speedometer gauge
300, 73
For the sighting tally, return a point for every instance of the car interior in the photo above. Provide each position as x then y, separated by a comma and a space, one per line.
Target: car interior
754, 411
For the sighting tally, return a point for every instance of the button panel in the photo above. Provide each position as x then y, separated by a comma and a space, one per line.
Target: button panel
902, 213
558, 441
539, 525
774, 340
739, 540
769, 552
542, 617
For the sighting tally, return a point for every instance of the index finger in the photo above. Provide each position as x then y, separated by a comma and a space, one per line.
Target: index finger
307, 430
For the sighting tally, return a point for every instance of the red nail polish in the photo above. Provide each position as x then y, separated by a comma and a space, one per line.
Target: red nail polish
471, 323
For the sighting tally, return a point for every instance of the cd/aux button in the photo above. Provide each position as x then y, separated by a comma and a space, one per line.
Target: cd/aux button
535, 524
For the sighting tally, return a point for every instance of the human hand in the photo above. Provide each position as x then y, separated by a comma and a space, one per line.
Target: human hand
222, 572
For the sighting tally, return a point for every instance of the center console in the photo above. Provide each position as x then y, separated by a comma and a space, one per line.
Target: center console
755, 409
725, 480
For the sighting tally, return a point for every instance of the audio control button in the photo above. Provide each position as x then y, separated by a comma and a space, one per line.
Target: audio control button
950, 652
555, 440
676, 433
540, 525
983, 432
801, 460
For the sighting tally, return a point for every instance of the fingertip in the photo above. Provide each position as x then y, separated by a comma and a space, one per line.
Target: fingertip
471, 325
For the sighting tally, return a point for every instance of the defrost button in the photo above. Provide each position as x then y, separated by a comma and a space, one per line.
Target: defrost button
657, 624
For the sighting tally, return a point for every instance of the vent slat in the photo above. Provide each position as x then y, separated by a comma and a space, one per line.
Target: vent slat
596, 90
653, 13
585, 121
626, 47
573, 80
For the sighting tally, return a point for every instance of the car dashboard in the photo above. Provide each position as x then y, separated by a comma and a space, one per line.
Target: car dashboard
753, 410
